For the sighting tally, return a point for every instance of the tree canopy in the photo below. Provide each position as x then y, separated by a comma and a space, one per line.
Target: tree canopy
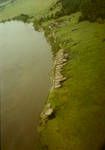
91, 9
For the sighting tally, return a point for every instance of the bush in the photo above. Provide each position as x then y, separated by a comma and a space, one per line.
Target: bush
22, 17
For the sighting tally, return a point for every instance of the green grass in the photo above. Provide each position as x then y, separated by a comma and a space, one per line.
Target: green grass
29, 7
80, 120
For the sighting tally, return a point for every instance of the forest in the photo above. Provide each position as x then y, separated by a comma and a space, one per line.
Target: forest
91, 9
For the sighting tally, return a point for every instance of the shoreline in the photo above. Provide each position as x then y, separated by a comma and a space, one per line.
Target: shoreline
60, 100
60, 60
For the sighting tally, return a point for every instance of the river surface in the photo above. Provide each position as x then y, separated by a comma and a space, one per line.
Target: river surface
25, 65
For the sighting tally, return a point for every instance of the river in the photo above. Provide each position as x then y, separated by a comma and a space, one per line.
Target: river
25, 65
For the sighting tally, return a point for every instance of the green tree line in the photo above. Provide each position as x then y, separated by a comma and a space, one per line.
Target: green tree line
91, 9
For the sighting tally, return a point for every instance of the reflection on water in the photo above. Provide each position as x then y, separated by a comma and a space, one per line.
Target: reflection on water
25, 62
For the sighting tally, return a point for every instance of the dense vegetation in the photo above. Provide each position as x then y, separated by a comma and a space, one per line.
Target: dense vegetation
71, 6
91, 9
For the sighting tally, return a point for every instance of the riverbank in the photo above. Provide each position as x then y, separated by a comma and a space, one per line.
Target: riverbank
78, 118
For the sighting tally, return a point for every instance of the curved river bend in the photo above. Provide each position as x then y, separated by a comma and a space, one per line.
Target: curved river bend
25, 63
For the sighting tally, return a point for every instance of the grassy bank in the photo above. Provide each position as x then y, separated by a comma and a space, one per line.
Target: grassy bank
79, 121
80, 117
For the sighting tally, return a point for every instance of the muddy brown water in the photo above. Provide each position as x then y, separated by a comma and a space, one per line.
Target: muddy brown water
25, 65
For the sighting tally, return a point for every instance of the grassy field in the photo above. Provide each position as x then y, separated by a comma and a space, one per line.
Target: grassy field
30, 7
79, 122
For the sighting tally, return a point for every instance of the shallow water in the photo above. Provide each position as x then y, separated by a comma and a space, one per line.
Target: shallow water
25, 63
